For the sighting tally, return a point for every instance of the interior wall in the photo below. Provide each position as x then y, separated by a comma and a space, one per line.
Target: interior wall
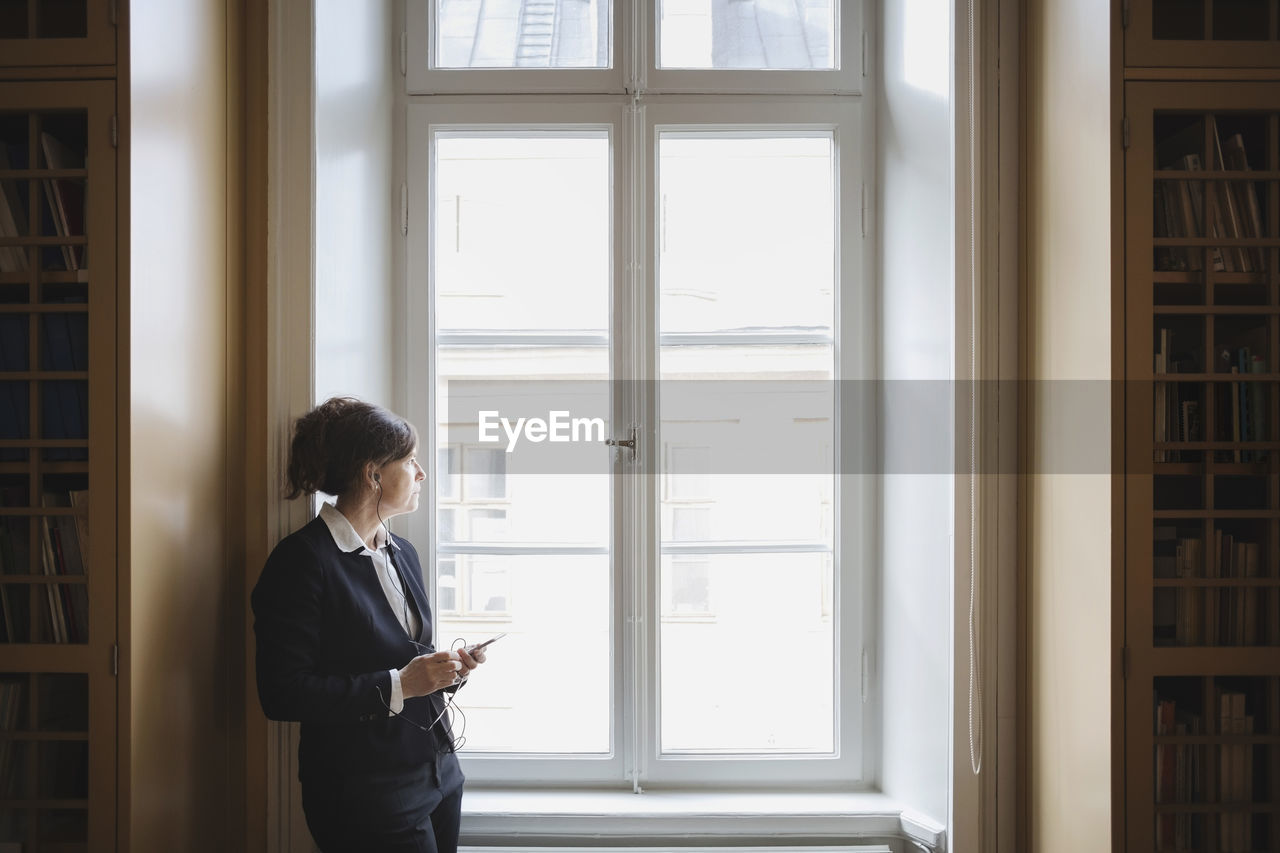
1067, 352
179, 640
357, 200
915, 157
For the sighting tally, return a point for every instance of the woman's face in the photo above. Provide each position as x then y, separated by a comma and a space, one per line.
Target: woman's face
401, 481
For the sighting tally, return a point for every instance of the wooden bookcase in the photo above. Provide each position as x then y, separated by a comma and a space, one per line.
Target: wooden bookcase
58, 416
1202, 429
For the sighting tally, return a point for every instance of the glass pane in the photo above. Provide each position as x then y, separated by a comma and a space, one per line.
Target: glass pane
13, 19
15, 193
551, 602
522, 233
64, 341
63, 702
59, 827
15, 418
15, 601
746, 234
61, 19
15, 337
747, 431
64, 414
63, 770
522, 34
1240, 20
714, 604
747, 34
1177, 19
522, 281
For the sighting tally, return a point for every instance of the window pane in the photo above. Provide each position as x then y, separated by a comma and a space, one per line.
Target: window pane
522, 33
522, 225
484, 474
747, 233
747, 34
447, 473
762, 608
747, 423
686, 584
554, 602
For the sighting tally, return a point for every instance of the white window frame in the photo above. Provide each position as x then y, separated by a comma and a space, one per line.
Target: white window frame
635, 68
634, 753
636, 102
425, 116
850, 768
421, 78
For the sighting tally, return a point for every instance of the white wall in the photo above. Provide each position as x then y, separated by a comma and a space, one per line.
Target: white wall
915, 158
177, 739
357, 203
1068, 335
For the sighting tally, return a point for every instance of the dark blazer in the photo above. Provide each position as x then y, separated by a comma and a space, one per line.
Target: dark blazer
326, 638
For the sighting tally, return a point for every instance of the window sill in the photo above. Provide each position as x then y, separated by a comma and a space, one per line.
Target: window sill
540, 816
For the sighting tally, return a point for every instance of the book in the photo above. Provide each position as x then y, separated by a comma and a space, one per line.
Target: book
65, 196
1236, 159
80, 503
1192, 209
1227, 218
49, 563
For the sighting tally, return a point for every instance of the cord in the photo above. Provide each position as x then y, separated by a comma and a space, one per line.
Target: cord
457, 742
450, 702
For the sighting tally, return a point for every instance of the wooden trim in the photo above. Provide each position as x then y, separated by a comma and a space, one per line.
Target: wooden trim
1119, 483
59, 72
235, 508
124, 457
1261, 74
255, 492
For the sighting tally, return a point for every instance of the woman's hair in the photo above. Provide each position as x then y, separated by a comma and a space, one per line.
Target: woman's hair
334, 442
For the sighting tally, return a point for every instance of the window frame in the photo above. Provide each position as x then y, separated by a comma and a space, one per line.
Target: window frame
421, 78
634, 45
850, 767
634, 753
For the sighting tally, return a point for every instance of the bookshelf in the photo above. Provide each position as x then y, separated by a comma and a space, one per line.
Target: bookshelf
57, 465
1240, 34
35, 33
1202, 443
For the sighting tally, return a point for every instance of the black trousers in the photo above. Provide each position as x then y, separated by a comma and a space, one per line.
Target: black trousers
385, 812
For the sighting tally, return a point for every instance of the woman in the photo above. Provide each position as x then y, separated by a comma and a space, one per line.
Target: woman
345, 643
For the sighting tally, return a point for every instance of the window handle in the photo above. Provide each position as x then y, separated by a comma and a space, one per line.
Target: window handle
629, 443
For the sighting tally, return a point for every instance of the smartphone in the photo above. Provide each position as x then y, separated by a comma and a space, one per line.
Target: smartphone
478, 646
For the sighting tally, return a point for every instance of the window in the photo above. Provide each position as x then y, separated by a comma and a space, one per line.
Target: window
684, 270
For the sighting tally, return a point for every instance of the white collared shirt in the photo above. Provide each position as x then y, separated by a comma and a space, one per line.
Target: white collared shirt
346, 538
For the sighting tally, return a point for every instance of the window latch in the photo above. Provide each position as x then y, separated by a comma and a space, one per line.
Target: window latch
629, 443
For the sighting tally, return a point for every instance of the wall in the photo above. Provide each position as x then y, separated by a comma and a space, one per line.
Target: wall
180, 616
1067, 337
915, 156
357, 205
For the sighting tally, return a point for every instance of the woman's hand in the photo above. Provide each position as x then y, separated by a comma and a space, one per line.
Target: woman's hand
426, 674
469, 660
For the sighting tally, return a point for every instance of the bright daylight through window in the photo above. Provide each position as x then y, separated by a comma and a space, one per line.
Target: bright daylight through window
682, 271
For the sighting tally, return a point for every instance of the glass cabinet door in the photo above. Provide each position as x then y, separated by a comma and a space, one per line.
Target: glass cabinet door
1204, 33
58, 32
57, 466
